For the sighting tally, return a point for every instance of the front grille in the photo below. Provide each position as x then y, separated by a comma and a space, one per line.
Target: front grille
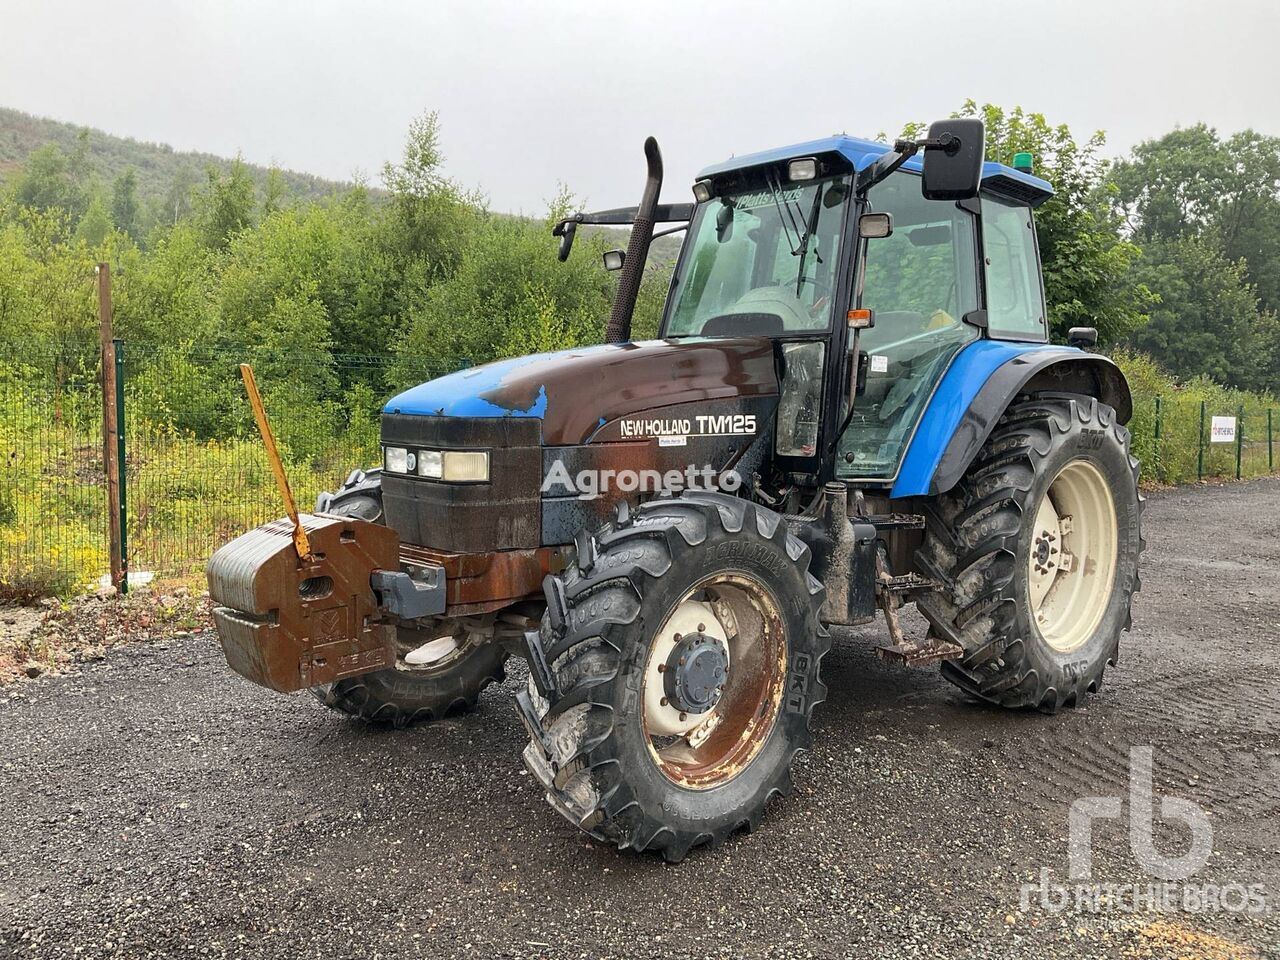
503, 514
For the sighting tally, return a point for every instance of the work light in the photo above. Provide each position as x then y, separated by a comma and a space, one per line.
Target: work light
806, 169
395, 459
703, 190
430, 464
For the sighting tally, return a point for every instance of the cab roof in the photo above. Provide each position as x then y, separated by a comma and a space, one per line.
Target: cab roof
996, 177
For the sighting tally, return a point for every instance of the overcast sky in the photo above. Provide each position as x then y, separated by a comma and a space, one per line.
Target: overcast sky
531, 93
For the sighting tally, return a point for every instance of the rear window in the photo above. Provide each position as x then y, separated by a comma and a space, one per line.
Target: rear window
1015, 296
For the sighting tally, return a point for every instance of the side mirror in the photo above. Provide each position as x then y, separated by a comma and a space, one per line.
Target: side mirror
872, 226
953, 160
724, 223
565, 230
1083, 338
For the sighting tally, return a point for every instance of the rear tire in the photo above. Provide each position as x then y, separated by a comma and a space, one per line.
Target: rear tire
1038, 623
607, 754
411, 693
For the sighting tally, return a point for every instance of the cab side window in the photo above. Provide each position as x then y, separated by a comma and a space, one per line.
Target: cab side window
921, 282
1015, 298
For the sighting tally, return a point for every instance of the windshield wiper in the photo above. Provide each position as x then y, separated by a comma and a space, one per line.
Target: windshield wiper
775, 190
810, 227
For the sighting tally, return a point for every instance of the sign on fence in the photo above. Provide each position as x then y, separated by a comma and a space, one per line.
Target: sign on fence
1223, 430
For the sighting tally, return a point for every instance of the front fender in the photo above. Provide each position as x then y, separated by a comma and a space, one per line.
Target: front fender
978, 387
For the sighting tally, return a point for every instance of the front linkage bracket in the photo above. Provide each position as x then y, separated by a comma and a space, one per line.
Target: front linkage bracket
891, 592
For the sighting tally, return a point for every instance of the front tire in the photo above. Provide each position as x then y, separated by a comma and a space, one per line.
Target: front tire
1037, 548
441, 665
685, 650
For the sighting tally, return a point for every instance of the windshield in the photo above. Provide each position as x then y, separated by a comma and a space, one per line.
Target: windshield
761, 261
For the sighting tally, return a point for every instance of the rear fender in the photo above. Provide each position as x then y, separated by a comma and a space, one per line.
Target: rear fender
975, 392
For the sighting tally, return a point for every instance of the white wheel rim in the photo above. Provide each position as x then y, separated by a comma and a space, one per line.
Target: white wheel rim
704, 750
1071, 560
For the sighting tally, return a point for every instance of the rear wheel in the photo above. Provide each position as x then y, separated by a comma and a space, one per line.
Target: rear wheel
442, 665
1037, 548
685, 653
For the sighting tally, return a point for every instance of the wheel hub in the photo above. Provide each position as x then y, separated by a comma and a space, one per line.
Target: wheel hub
695, 673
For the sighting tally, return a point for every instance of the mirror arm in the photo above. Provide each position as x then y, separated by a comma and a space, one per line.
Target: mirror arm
903, 150
670, 230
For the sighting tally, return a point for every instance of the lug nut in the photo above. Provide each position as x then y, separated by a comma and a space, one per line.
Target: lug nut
662, 668
664, 702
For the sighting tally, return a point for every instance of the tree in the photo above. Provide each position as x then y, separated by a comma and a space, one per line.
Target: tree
1190, 182
274, 191
226, 204
429, 213
96, 224
46, 183
1207, 321
124, 202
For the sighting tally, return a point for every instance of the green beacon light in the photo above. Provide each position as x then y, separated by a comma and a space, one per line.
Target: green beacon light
1023, 162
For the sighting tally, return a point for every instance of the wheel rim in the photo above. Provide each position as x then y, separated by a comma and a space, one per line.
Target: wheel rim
425, 652
699, 736
1072, 557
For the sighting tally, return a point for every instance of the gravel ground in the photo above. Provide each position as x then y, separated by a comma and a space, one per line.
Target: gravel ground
153, 803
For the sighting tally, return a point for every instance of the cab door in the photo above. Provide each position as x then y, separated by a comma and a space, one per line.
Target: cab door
921, 282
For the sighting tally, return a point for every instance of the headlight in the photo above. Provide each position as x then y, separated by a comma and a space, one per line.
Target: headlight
465, 466
395, 459
451, 466
429, 464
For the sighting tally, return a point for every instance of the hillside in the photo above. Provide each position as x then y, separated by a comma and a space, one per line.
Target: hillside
160, 168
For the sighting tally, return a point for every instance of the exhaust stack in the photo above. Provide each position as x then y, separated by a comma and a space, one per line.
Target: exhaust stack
624, 301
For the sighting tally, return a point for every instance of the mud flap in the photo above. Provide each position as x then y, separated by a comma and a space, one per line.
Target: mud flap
288, 624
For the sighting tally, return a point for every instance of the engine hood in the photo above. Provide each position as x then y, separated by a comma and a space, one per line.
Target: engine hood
576, 392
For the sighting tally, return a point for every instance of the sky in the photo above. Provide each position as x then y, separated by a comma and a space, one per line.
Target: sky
532, 94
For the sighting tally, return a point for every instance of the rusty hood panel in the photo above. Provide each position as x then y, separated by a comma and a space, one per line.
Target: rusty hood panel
577, 391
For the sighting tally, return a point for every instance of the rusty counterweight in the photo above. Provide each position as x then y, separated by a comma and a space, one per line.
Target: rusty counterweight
288, 623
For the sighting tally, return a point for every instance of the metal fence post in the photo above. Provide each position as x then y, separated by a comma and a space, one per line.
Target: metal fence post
1159, 465
123, 466
1271, 450
1239, 438
1200, 451
110, 425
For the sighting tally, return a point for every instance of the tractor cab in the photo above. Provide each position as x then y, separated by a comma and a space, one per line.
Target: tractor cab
870, 268
865, 278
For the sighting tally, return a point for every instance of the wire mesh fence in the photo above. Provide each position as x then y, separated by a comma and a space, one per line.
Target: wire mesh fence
53, 519
194, 474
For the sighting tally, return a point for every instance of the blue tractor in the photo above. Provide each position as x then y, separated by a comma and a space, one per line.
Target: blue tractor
852, 404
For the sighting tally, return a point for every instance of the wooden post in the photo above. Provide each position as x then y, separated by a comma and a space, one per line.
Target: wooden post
110, 426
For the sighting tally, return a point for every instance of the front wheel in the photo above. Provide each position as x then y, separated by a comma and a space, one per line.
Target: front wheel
685, 650
442, 665
1037, 548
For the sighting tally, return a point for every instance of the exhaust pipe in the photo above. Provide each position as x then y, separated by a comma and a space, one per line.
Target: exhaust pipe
624, 301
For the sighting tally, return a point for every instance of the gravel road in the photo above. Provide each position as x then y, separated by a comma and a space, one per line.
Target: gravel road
154, 804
